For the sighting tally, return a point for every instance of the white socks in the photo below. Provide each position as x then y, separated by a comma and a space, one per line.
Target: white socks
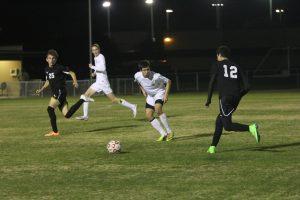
164, 120
85, 109
126, 104
155, 123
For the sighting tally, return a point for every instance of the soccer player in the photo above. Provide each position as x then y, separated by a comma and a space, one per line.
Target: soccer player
102, 84
155, 88
232, 86
56, 79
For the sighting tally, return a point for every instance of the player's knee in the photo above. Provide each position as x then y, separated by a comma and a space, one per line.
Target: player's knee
228, 127
149, 116
50, 109
159, 111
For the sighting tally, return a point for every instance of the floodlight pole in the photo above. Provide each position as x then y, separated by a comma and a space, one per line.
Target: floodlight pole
90, 35
271, 9
152, 23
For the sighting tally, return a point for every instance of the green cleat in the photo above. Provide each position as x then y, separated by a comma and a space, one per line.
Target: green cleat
253, 128
161, 138
211, 149
170, 137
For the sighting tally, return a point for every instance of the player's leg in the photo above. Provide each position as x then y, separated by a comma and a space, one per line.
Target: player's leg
53, 104
217, 135
228, 106
90, 92
122, 102
163, 118
149, 111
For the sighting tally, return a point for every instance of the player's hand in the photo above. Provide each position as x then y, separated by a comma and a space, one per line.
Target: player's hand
93, 75
166, 98
75, 84
38, 91
90, 65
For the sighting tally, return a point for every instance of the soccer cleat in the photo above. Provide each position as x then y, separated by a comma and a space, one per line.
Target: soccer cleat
211, 149
86, 99
253, 128
134, 110
52, 134
161, 138
84, 118
170, 136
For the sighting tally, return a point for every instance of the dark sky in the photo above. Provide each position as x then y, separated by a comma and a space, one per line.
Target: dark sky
63, 24
50, 21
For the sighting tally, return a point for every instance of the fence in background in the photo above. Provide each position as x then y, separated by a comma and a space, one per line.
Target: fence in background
183, 82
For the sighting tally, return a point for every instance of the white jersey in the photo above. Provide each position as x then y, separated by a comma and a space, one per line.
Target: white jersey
102, 83
153, 85
100, 68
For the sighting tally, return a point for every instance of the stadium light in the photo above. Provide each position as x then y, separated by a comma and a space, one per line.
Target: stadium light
168, 40
280, 12
218, 7
106, 5
168, 12
150, 3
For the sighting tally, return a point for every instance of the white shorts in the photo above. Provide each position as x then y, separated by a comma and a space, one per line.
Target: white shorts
102, 86
150, 100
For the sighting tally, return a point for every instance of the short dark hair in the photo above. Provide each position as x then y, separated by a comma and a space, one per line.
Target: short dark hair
143, 64
53, 53
224, 51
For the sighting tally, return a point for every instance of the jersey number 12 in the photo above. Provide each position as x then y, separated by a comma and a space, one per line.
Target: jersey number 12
232, 73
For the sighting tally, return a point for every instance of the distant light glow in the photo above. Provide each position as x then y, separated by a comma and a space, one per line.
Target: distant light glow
217, 4
168, 40
279, 11
169, 11
149, 1
106, 4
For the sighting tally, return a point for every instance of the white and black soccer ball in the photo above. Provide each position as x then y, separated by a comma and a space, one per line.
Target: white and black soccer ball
114, 146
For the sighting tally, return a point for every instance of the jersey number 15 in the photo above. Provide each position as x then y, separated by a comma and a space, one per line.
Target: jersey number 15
232, 73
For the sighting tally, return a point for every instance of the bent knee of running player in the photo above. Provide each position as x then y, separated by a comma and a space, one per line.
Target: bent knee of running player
158, 108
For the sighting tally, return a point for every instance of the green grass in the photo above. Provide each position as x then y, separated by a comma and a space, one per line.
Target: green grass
77, 166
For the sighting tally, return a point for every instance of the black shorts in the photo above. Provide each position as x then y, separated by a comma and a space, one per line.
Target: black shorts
160, 101
61, 96
228, 104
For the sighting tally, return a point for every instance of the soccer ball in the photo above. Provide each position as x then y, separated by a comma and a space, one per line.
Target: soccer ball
113, 146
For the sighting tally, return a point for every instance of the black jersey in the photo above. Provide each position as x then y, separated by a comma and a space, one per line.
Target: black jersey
56, 76
230, 78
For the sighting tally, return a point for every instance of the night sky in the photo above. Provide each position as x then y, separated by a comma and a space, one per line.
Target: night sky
63, 24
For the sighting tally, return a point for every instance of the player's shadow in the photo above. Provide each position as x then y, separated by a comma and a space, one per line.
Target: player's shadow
272, 148
110, 128
191, 137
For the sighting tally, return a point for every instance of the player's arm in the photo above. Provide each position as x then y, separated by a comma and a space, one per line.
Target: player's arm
210, 89
73, 76
168, 88
100, 66
46, 84
142, 90
245, 82
211, 84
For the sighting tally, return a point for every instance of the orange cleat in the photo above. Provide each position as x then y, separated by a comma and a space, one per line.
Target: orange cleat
52, 134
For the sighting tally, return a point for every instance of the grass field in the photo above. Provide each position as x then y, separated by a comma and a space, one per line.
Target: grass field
77, 166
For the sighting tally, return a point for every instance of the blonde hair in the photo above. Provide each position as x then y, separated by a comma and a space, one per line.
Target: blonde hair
96, 45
